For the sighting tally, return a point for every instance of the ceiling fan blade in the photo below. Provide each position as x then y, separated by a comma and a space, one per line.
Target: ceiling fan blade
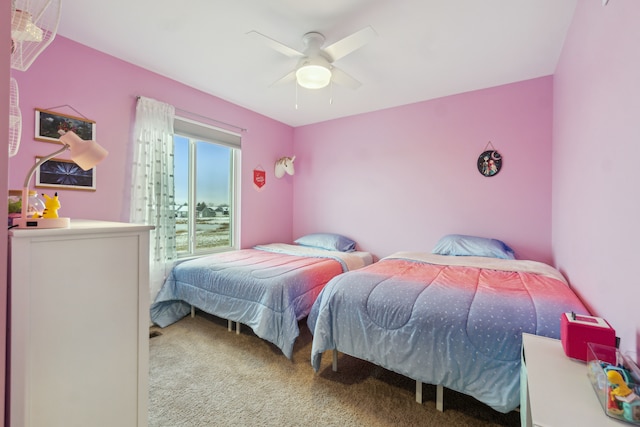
289, 77
343, 79
350, 43
276, 45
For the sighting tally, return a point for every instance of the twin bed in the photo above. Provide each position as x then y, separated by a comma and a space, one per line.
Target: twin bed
451, 321
268, 288
453, 318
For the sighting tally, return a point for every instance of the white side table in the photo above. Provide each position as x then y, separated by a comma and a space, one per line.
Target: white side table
555, 390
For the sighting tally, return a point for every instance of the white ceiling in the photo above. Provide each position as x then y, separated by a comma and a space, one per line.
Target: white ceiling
424, 49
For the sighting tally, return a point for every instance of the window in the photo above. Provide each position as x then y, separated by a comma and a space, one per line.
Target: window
205, 167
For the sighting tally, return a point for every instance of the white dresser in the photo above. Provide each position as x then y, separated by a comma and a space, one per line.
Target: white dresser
79, 325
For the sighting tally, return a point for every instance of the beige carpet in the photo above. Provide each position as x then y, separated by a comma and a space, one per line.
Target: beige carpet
202, 375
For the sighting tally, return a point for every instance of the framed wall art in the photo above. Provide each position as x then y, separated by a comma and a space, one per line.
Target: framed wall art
65, 174
489, 161
48, 123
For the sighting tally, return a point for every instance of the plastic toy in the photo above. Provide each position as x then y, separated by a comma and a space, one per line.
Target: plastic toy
631, 410
614, 406
622, 399
51, 206
621, 388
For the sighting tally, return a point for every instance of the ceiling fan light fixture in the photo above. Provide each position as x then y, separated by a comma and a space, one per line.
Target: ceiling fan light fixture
313, 76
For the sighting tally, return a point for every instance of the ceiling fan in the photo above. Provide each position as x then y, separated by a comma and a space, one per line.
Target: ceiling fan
315, 68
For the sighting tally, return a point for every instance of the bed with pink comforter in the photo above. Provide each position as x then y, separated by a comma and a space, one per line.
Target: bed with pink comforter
269, 287
452, 321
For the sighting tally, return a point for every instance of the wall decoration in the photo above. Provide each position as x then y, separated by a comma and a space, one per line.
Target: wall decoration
284, 165
48, 123
490, 161
66, 174
259, 178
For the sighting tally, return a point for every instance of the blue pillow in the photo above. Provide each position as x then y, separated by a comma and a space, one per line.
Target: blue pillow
461, 245
328, 241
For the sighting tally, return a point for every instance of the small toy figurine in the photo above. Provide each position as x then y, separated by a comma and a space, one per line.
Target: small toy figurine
621, 388
51, 206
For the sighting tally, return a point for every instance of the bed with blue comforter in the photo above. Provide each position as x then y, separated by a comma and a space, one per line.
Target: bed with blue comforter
452, 321
269, 287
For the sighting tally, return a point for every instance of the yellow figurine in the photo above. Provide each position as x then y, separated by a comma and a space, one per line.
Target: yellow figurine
51, 206
621, 388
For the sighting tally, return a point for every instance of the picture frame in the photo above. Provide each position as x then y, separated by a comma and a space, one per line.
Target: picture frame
489, 163
64, 174
48, 123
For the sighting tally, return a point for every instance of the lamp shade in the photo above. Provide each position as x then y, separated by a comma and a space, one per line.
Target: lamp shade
86, 154
313, 76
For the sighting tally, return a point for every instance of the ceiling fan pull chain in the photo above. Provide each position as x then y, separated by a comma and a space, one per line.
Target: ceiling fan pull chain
296, 95
331, 92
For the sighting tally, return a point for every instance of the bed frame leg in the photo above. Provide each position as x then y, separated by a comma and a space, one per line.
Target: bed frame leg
334, 362
419, 392
193, 311
440, 398
230, 326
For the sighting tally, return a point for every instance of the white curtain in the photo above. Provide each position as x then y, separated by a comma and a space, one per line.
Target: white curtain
152, 193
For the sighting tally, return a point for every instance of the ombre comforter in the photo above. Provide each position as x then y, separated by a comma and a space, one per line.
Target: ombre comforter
444, 320
269, 288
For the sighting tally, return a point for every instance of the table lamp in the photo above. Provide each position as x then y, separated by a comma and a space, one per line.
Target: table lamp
85, 154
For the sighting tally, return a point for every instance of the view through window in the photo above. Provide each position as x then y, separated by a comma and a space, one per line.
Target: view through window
204, 195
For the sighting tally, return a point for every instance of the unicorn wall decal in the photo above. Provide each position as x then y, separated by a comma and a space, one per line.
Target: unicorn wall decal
284, 165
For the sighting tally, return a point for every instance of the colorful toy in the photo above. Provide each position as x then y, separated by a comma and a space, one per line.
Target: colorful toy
621, 388
631, 410
614, 406
622, 399
51, 206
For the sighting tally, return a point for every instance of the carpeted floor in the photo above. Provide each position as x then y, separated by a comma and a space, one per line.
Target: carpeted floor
201, 375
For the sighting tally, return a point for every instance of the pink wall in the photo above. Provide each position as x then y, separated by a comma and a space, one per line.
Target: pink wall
104, 89
5, 33
399, 179
596, 196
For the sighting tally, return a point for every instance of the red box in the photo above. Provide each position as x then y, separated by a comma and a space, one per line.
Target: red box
576, 330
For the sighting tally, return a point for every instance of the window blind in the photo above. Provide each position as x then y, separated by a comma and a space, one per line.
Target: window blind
206, 132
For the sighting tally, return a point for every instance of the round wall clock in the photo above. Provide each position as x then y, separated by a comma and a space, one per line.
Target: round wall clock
489, 163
